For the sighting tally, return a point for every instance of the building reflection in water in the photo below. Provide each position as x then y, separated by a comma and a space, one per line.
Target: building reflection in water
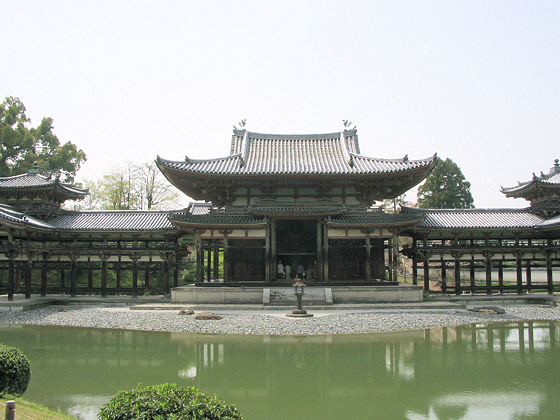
475, 371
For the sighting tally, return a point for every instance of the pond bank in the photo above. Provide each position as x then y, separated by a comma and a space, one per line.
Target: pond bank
244, 320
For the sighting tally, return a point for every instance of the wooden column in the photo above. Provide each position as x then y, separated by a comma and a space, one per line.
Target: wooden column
500, 276
426, 273
325, 253
390, 258
472, 274
209, 261
443, 276
90, 277
549, 279
135, 258
216, 251
528, 274
199, 260
166, 290
368, 258
104, 275
488, 274
28, 273
457, 267
519, 270
62, 278
176, 270
118, 276
269, 271
147, 279
320, 256
44, 275
73, 274
414, 263
395, 251
226, 259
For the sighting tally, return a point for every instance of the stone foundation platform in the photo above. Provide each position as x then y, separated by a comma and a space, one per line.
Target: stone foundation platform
314, 295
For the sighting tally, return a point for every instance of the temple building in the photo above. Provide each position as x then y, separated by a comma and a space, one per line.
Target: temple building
275, 208
286, 206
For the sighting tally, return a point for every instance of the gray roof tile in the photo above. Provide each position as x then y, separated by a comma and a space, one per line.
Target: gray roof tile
334, 153
113, 220
478, 219
37, 181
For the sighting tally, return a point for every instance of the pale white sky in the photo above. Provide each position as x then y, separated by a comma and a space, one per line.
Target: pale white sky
476, 81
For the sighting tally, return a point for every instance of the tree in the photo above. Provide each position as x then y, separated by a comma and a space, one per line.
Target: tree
445, 187
129, 186
21, 147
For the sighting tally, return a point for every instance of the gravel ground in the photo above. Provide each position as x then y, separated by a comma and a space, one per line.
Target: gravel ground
273, 322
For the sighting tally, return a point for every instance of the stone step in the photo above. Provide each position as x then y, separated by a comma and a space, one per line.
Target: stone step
286, 296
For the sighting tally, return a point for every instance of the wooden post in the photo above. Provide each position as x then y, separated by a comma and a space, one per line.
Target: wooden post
226, 259
488, 275
166, 290
472, 276
390, 258
199, 260
325, 253
118, 276
426, 273
176, 270
90, 277
11, 277
528, 274
457, 275
73, 275
501, 276
443, 276
104, 276
216, 249
134, 259
269, 271
147, 279
209, 261
549, 279
320, 256
10, 410
519, 270
62, 279
44, 275
28, 273
414, 263
368, 258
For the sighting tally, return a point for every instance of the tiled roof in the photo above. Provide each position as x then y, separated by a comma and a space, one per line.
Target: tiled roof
217, 220
37, 181
375, 218
478, 219
553, 222
332, 153
113, 220
550, 179
296, 210
12, 216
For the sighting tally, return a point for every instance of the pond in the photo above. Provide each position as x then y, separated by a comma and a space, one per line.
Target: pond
497, 371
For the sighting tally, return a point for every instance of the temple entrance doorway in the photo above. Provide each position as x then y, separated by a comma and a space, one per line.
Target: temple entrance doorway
296, 249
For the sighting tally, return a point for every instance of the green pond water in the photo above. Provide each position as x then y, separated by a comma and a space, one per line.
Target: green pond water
494, 371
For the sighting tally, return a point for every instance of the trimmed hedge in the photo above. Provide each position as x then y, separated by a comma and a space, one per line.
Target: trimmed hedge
166, 401
15, 371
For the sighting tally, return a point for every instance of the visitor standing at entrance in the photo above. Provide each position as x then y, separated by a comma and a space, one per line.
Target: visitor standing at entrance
280, 270
288, 272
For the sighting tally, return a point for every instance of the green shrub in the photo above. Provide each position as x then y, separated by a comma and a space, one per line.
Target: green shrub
15, 371
166, 401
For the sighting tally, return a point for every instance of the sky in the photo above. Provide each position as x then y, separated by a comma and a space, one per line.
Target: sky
475, 81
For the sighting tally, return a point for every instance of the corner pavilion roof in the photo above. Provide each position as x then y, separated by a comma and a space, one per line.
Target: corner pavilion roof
287, 154
525, 189
32, 181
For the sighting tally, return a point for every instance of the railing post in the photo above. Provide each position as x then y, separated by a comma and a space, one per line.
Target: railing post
10, 410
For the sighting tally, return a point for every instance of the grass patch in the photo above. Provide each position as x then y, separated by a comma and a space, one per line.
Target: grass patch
33, 410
